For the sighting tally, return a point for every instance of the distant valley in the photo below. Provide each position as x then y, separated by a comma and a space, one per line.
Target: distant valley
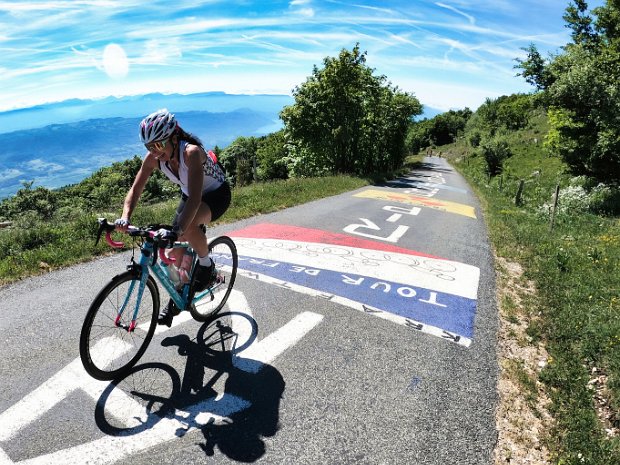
58, 144
56, 155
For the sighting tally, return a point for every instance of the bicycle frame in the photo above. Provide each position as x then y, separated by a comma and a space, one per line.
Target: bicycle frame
147, 266
137, 319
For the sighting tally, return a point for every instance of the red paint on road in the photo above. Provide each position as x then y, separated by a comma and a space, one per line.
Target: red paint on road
296, 233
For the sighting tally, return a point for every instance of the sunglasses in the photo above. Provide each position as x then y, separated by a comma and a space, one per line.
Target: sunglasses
157, 146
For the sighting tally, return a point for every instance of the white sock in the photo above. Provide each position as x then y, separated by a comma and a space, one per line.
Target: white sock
204, 261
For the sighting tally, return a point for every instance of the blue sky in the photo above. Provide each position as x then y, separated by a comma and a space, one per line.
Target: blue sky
449, 53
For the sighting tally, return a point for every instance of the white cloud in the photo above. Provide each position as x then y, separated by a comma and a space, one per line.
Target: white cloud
10, 173
470, 18
376, 9
160, 52
12, 7
307, 12
52, 52
41, 165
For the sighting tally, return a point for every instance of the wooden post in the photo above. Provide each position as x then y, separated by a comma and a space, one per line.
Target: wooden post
519, 193
555, 207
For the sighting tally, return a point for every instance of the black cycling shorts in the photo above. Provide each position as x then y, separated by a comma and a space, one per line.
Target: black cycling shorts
217, 200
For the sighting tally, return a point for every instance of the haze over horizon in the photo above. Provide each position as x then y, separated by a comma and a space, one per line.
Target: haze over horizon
449, 54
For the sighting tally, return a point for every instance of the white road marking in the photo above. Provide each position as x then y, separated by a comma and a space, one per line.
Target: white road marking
416, 325
277, 342
109, 449
393, 237
436, 274
46, 396
237, 303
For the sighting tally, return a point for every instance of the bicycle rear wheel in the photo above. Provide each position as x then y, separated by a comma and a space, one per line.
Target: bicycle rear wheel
108, 348
223, 252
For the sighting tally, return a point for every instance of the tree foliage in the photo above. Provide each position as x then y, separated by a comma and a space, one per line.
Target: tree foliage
272, 157
534, 68
439, 130
347, 120
238, 160
105, 188
495, 151
582, 88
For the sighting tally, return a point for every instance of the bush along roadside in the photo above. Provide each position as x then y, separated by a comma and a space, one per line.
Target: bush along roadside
569, 247
42, 238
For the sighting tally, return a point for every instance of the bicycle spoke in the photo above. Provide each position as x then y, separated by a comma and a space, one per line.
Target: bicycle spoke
122, 347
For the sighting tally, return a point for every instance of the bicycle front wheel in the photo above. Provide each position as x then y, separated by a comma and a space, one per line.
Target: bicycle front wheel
109, 343
223, 252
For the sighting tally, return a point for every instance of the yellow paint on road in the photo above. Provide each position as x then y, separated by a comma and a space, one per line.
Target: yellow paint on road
443, 205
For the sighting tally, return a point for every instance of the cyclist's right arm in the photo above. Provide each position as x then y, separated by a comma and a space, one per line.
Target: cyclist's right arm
149, 165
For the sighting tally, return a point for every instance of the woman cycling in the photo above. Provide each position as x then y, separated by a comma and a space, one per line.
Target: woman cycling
205, 192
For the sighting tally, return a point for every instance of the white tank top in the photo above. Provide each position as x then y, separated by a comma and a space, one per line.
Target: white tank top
213, 178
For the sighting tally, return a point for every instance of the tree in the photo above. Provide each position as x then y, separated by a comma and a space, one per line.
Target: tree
439, 130
583, 93
495, 152
272, 157
347, 120
578, 19
40, 200
238, 160
534, 68
498, 115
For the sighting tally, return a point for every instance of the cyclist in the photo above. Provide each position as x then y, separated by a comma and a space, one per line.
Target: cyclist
205, 193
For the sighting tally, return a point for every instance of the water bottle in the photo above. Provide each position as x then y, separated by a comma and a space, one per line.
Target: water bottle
174, 275
186, 267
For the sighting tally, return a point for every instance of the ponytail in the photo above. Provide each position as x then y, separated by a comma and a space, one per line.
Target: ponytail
188, 137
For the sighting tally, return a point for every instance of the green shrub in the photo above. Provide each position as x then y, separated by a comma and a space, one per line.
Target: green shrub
495, 151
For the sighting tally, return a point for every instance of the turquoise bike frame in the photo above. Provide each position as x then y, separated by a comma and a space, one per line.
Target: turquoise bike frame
146, 266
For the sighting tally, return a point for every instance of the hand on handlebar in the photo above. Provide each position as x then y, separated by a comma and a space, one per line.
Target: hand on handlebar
165, 237
122, 224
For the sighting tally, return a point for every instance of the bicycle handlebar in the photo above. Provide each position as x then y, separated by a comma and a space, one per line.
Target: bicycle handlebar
148, 233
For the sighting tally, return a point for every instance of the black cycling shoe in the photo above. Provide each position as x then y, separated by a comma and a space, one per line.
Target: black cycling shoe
167, 313
205, 277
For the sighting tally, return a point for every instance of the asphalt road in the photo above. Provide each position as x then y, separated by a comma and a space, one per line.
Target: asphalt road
364, 333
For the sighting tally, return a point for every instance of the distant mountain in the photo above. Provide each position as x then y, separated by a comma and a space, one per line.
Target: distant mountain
61, 143
71, 111
60, 154
429, 113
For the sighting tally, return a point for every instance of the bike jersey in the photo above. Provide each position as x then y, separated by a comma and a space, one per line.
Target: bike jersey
214, 176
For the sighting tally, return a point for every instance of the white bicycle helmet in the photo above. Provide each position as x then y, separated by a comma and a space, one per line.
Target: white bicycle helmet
157, 126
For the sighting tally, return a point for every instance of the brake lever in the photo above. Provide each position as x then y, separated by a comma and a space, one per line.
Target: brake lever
108, 228
100, 231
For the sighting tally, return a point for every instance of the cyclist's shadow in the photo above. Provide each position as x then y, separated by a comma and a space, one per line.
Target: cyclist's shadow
235, 420
256, 389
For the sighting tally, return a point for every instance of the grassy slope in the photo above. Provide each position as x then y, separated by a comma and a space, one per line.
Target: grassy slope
32, 246
576, 311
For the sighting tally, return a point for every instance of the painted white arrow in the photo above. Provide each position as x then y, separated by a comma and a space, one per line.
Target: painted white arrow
110, 449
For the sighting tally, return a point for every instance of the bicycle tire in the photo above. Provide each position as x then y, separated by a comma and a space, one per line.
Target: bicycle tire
122, 347
223, 252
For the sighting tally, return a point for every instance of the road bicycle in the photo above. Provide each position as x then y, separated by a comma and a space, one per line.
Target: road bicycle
121, 320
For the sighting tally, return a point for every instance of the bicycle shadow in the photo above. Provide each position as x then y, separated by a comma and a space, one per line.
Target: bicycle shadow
234, 401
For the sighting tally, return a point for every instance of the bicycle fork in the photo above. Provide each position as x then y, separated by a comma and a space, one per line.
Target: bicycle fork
144, 276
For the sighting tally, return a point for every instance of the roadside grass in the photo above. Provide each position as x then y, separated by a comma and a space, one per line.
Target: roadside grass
33, 246
574, 267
